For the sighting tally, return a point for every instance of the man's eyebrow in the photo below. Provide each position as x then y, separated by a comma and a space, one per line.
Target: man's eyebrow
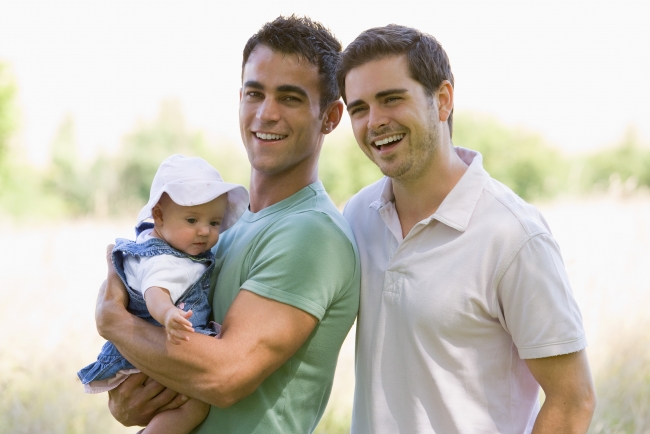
353, 104
254, 84
378, 95
293, 89
384, 93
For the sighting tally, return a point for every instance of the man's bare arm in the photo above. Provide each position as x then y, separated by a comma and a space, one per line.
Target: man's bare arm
570, 396
257, 336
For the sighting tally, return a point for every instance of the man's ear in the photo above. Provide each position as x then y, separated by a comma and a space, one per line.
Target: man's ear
445, 100
332, 116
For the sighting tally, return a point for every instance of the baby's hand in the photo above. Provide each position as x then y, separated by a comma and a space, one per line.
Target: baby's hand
177, 325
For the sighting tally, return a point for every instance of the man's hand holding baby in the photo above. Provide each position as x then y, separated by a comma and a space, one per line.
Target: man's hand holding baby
111, 300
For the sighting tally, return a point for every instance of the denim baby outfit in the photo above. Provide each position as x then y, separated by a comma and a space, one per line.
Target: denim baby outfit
110, 361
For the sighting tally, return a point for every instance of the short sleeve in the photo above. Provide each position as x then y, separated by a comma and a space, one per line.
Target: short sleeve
537, 303
304, 260
170, 272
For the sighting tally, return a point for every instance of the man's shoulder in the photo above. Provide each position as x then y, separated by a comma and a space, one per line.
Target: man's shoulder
510, 212
307, 225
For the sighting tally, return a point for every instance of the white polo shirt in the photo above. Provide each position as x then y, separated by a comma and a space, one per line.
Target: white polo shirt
448, 313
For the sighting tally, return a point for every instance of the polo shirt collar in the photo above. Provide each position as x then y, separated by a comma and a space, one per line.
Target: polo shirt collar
456, 209
386, 196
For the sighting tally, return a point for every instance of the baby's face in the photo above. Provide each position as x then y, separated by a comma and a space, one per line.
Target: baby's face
191, 229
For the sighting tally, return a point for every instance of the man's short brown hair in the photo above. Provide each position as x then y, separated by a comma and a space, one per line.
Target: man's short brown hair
427, 61
307, 39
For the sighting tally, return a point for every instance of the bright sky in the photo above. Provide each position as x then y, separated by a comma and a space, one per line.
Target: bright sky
575, 71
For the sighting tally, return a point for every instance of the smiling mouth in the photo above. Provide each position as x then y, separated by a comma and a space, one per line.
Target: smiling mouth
270, 137
388, 141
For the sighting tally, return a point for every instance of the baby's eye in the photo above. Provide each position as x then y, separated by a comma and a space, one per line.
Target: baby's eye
191, 221
215, 223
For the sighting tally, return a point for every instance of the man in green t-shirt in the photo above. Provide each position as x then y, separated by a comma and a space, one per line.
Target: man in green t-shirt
287, 287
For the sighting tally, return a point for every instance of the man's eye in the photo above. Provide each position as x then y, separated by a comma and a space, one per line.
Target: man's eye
191, 221
356, 110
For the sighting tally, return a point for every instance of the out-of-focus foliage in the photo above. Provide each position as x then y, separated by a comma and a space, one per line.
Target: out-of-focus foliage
109, 185
623, 385
67, 178
344, 169
124, 183
519, 159
37, 397
21, 191
127, 185
119, 184
629, 162
334, 422
8, 112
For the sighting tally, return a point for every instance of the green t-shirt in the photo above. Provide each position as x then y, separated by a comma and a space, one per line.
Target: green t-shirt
301, 252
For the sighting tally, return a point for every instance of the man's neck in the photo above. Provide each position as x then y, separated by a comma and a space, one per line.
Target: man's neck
419, 198
267, 190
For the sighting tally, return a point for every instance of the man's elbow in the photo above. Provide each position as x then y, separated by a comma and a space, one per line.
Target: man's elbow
583, 412
227, 389
584, 399
221, 400
589, 402
227, 397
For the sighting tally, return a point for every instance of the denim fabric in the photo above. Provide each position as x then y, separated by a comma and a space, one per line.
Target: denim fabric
110, 361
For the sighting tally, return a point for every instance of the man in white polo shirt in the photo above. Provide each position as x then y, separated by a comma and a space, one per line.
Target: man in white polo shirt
466, 308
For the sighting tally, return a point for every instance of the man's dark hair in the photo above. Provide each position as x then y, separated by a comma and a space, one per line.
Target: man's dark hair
427, 61
308, 40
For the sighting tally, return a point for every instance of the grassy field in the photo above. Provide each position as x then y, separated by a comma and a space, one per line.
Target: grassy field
50, 273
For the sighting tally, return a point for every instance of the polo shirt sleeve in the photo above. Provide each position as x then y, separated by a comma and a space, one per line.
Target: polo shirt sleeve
537, 303
304, 260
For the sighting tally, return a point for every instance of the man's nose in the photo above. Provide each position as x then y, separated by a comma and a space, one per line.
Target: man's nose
268, 111
377, 118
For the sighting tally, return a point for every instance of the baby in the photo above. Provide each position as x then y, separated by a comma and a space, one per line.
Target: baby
167, 271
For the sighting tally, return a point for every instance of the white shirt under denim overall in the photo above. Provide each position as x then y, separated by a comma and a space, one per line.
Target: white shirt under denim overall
110, 361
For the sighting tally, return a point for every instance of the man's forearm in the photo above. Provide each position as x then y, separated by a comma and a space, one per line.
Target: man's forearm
257, 336
570, 396
558, 416
189, 368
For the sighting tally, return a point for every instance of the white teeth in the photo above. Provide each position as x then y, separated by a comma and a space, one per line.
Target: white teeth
265, 136
390, 139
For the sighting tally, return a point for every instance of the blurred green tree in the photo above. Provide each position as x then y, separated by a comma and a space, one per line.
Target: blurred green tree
344, 168
67, 177
20, 183
150, 143
8, 111
519, 159
147, 146
629, 161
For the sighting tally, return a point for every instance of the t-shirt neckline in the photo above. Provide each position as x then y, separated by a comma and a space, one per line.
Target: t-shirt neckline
295, 198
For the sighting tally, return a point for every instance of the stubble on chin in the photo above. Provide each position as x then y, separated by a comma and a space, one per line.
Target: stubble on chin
419, 160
